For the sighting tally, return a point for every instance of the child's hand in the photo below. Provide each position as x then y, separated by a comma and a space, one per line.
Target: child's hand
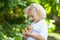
27, 33
24, 35
29, 28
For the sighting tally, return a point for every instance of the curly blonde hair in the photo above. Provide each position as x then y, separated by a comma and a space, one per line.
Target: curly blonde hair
38, 8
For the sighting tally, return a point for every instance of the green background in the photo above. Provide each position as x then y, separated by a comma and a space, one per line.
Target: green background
13, 20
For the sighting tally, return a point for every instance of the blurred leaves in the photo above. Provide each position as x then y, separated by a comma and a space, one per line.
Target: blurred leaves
48, 8
0, 27
51, 25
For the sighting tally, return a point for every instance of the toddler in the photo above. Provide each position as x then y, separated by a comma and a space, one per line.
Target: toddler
38, 30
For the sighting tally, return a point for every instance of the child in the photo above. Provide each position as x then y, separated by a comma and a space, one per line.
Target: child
38, 30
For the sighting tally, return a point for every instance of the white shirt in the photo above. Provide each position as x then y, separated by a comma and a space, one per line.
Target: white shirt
41, 28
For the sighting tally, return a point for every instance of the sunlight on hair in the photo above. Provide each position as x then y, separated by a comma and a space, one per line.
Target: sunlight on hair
38, 8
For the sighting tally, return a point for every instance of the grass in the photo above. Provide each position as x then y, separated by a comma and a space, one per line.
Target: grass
54, 36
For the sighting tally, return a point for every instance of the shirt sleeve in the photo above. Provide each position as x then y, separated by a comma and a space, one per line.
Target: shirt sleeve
44, 31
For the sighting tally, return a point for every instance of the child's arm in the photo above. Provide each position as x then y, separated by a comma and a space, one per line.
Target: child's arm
34, 35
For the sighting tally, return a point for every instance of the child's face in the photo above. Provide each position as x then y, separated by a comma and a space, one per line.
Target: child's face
33, 16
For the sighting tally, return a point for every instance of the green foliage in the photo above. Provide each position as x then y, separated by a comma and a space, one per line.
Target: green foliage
51, 26
13, 21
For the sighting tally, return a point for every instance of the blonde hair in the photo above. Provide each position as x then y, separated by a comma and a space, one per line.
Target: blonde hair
38, 8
